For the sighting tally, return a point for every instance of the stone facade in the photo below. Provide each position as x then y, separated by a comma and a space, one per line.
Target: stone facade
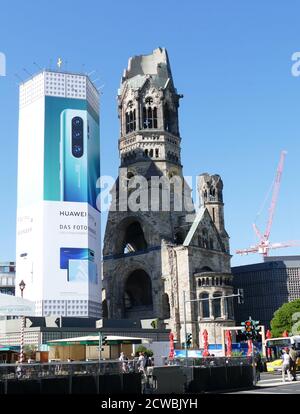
152, 255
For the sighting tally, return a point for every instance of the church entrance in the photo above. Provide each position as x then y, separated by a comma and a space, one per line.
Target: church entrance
138, 301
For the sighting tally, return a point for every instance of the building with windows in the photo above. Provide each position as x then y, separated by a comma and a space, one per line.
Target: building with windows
7, 277
267, 286
154, 253
39, 330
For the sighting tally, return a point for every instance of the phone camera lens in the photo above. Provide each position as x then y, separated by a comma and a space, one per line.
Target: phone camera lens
77, 121
77, 149
77, 134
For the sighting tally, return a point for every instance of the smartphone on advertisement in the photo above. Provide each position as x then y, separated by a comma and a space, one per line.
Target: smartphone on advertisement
72, 258
93, 160
82, 271
73, 156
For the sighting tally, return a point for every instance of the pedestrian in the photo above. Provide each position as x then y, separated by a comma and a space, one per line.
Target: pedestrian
141, 363
293, 362
286, 365
258, 366
124, 360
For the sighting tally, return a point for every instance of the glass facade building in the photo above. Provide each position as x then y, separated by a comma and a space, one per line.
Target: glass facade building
7, 277
267, 286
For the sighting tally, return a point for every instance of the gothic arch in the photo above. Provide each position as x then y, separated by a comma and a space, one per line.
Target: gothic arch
130, 235
137, 292
166, 306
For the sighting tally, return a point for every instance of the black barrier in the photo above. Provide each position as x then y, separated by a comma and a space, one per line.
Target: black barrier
84, 385
110, 384
234, 375
220, 378
196, 379
200, 381
217, 378
23, 387
132, 384
55, 385
81, 384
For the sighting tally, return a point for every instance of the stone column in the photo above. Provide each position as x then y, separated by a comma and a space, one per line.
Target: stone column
211, 308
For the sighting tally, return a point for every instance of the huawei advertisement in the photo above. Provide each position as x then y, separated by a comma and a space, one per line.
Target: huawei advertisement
58, 225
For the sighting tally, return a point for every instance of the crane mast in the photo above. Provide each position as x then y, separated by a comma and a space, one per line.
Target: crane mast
264, 245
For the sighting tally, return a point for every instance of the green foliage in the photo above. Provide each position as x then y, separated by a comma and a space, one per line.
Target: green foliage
143, 349
282, 319
237, 353
154, 324
30, 349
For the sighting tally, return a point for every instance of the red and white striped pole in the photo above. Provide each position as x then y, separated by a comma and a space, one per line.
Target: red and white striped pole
21, 357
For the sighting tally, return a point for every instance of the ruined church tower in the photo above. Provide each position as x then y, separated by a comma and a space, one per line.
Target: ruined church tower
159, 247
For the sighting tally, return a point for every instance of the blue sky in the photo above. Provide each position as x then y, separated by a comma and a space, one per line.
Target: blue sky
230, 58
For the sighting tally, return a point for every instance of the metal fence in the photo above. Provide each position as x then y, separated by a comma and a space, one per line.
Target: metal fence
59, 369
209, 361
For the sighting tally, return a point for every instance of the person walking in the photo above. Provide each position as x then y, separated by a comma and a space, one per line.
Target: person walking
124, 360
286, 365
293, 362
258, 366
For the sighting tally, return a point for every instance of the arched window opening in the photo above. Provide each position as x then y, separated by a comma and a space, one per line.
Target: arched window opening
156, 152
199, 282
204, 305
179, 237
212, 193
166, 306
138, 292
229, 305
146, 153
217, 304
167, 123
151, 153
149, 114
134, 238
206, 269
130, 121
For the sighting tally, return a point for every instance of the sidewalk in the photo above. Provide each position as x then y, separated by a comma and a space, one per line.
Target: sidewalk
275, 381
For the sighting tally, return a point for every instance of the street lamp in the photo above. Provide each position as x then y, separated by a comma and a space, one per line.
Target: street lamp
22, 287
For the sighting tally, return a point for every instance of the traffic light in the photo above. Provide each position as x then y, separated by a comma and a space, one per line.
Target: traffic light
255, 330
103, 341
240, 296
189, 340
251, 329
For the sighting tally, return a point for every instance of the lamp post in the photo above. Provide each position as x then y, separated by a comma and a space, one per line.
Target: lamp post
22, 287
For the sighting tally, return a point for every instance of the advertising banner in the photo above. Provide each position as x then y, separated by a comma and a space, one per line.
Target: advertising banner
58, 230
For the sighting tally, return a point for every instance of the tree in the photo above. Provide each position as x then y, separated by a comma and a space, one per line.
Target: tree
283, 318
143, 349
